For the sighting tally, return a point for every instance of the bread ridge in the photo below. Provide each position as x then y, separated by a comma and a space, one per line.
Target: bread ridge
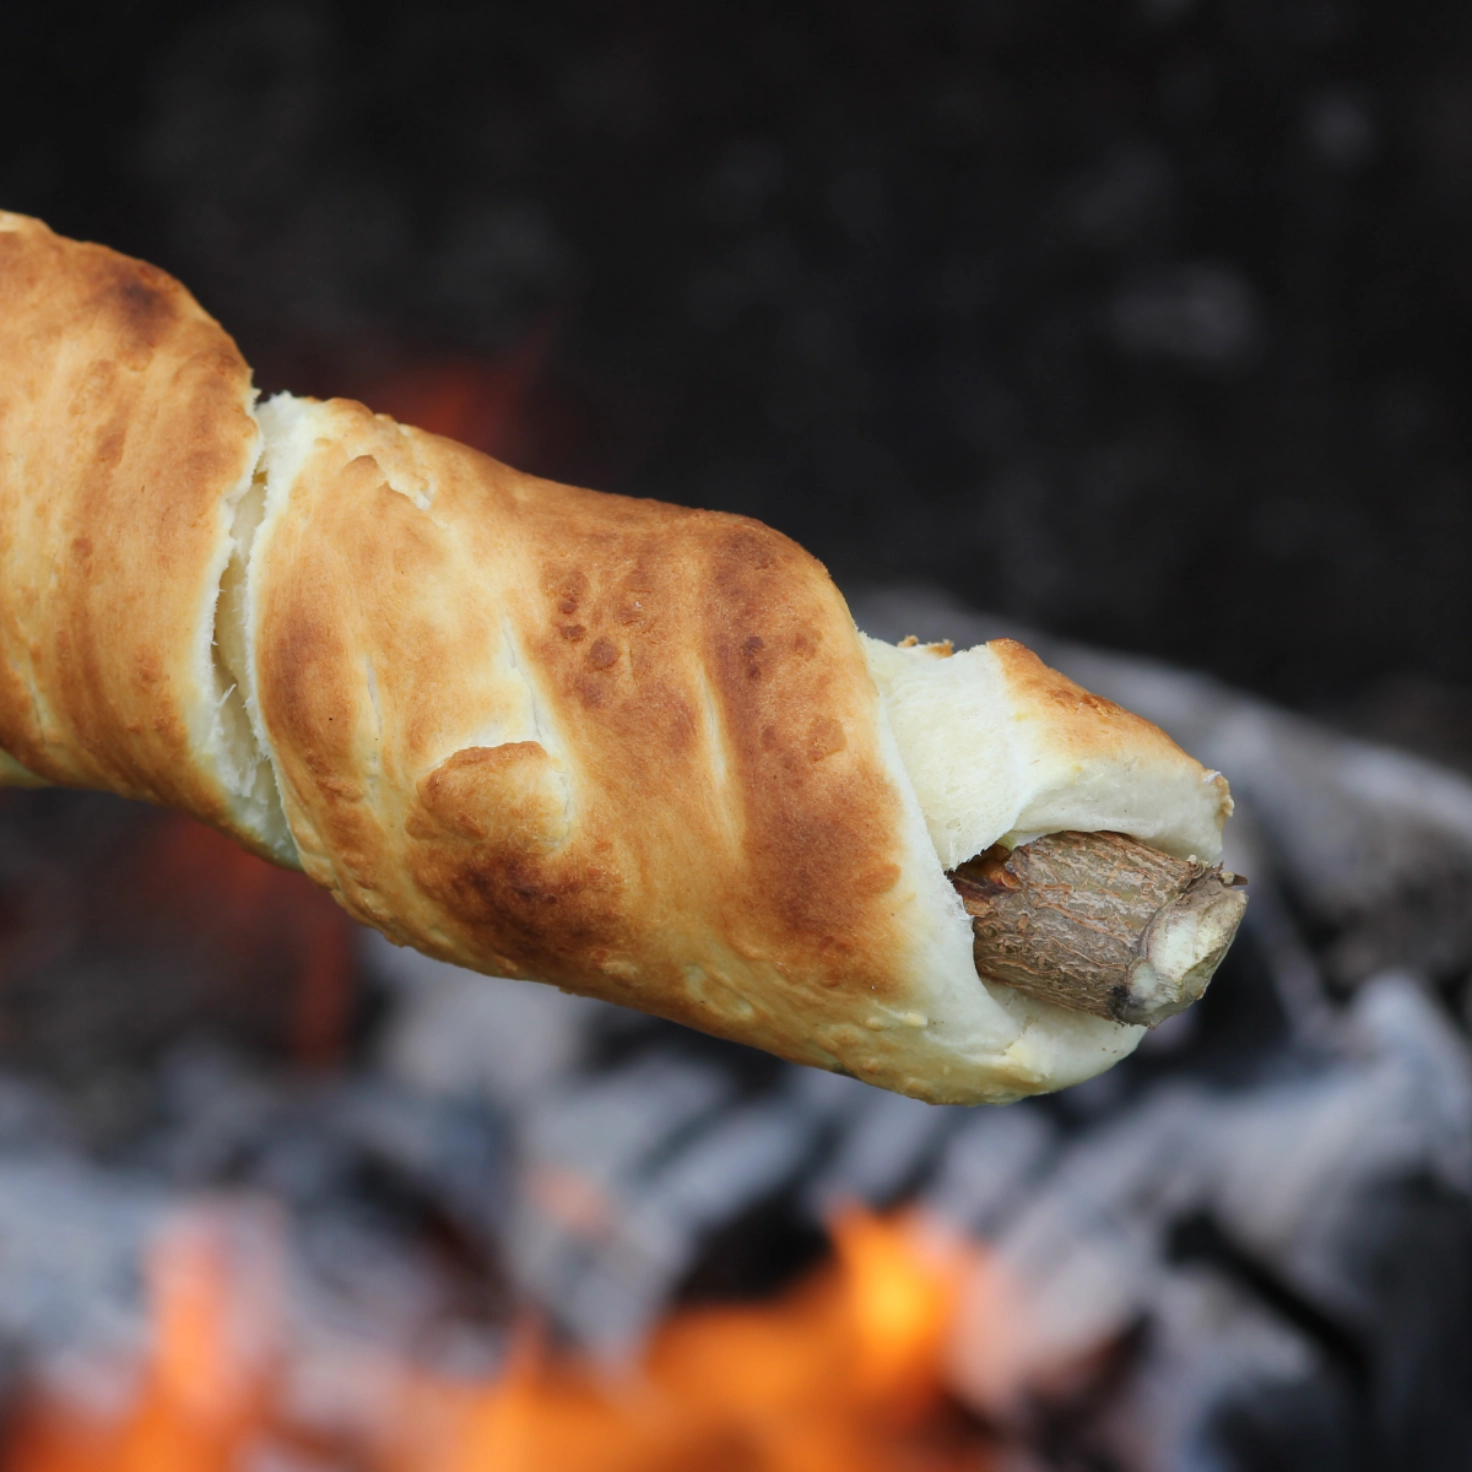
127, 415
1003, 749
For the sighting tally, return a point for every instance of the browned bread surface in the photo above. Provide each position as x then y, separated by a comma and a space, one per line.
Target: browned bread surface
125, 422
614, 744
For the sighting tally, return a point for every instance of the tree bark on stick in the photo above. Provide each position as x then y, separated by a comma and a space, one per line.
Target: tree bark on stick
1100, 923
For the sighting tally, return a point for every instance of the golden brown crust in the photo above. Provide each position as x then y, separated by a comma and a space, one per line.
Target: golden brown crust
617, 745
1077, 721
1077, 729
124, 421
628, 748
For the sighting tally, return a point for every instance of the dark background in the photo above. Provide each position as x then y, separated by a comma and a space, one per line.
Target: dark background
1146, 322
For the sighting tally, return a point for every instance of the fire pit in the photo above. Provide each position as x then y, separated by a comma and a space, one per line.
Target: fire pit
273, 1193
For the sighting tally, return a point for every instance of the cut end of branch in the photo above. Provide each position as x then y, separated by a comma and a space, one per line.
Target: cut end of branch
1100, 923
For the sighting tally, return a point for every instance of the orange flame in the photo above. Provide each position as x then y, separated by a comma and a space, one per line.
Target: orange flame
481, 403
246, 920
839, 1375
205, 1389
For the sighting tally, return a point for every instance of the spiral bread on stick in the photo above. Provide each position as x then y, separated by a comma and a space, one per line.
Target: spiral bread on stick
636, 751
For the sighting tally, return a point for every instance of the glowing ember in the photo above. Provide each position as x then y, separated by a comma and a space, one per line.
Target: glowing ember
839, 1375
245, 920
206, 1390
481, 404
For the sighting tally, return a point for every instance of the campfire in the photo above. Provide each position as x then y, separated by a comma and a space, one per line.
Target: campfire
1069, 290
842, 1372
275, 1194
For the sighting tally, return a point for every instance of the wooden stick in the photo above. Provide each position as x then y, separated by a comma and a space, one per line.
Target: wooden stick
1100, 923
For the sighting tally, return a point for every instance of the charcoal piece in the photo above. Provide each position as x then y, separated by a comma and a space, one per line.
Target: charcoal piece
1413, 1245
1197, 1238
625, 1175
452, 1033
1277, 1426
990, 1166
754, 1255
136, 927
71, 1243
888, 1147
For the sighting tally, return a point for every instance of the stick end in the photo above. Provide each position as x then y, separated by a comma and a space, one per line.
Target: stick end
1181, 950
